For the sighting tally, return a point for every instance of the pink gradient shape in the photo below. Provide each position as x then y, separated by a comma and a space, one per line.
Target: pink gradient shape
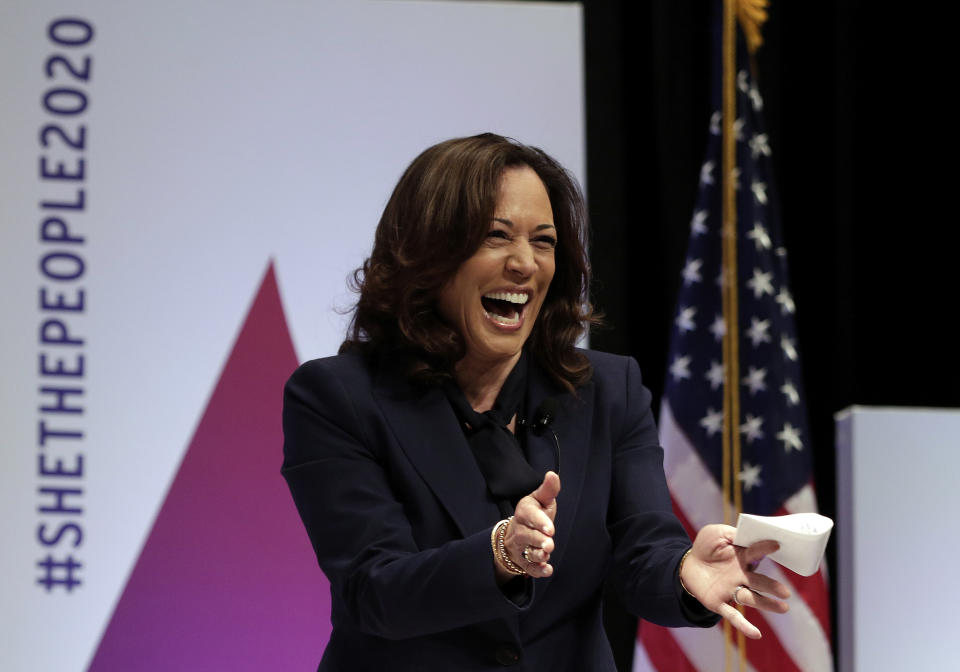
227, 579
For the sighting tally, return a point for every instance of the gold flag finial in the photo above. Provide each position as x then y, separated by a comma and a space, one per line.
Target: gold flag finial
752, 14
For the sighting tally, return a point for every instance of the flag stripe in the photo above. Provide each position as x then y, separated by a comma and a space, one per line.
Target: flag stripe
769, 653
812, 592
688, 649
800, 630
663, 652
695, 491
804, 501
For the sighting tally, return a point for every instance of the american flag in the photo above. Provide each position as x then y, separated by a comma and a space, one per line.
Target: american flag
775, 470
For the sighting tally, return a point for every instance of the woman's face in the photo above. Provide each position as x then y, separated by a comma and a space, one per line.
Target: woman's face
496, 295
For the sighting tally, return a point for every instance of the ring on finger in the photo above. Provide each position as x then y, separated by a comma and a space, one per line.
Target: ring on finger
525, 554
737, 590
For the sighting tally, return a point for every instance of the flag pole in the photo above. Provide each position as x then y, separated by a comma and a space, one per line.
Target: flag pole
731, 355
751, 14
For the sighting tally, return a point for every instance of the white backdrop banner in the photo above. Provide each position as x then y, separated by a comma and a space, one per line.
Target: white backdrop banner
185, 187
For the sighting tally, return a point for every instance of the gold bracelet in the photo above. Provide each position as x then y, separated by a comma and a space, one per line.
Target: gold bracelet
680, 569
500, 554
505, 558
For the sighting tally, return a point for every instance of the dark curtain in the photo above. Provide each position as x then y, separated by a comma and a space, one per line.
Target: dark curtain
858, 118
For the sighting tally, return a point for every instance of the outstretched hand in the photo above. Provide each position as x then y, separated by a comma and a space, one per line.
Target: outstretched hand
532, 528
715, 569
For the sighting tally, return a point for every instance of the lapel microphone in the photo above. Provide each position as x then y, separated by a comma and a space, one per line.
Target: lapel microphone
543, 417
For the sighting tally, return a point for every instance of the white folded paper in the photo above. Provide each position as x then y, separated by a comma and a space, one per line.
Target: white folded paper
802, 537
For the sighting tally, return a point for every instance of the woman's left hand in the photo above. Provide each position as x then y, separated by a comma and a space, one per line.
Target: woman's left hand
715, 570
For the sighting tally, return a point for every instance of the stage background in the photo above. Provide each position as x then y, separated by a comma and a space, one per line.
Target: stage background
235, 159
856, 110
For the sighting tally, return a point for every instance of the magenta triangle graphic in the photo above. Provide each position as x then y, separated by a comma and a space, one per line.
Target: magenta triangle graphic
227, 579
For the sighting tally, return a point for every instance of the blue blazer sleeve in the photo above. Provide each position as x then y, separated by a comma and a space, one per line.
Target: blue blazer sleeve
336, 462
648, 540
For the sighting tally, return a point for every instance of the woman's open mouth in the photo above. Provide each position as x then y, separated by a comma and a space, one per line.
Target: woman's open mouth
504, 308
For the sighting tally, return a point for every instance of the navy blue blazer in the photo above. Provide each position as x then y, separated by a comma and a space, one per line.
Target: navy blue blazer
400, 519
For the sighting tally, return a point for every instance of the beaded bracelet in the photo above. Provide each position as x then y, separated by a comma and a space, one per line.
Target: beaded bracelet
500, 550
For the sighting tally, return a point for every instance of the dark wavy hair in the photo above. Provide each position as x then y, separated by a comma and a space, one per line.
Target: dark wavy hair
437, 217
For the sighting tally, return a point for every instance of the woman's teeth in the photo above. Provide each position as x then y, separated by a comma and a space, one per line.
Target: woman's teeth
504, 307
503, 319
513, 297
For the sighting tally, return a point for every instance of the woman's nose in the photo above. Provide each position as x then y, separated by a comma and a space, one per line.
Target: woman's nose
521, 260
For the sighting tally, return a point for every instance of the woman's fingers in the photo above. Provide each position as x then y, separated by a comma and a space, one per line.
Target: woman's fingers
751, 598
528, 538
530, 514
762, 593
739, 621
544, 499
764, 584
542, 544
755, 552
717, 570
521, 537
548, 490
535, 559
532, 554
539, 570
539, 509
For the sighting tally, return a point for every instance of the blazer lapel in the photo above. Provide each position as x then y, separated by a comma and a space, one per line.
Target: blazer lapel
430, 435
573, 428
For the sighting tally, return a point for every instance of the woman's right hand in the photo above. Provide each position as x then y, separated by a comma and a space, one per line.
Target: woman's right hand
532, 529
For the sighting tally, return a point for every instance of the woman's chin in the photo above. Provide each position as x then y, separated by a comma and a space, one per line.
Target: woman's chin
496, 345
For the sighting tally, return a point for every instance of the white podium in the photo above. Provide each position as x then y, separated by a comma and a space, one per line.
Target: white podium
898, 538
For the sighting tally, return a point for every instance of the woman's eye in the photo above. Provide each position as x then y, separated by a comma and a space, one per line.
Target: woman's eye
546, 241
497, 233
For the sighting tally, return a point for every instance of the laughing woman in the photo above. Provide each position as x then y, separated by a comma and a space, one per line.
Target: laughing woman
425, 459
